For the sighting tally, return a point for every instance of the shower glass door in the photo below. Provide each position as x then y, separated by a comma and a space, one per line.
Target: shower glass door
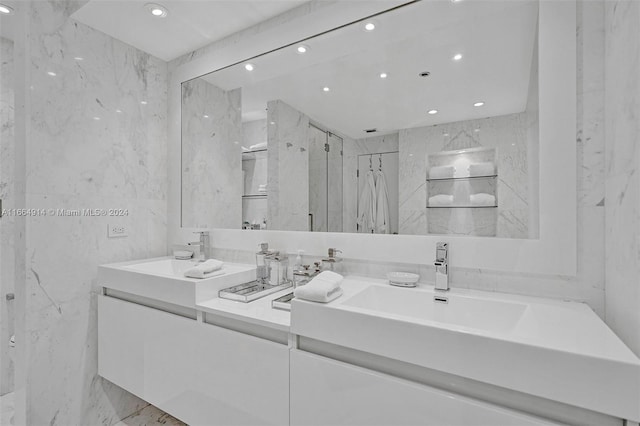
325, 181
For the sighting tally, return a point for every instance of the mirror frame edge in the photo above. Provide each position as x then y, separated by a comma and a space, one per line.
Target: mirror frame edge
553, 253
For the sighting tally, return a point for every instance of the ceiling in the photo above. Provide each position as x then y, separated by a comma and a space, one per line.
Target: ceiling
7, 22
496, 38
189, 25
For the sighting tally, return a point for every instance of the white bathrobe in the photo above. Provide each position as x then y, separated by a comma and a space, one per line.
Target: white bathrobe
382, 204
367, 205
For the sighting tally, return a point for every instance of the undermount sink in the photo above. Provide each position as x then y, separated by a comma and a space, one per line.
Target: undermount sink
480, 314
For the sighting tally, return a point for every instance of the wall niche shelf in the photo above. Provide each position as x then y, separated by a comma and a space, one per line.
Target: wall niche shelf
461, 178
251, 155
254, 197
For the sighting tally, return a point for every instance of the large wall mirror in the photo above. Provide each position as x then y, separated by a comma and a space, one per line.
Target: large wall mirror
421, 120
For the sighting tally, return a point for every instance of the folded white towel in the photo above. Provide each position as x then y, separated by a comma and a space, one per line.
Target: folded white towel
482, 199
261, 145
440, 200
205, 269
482, 169
323, 288
441, 172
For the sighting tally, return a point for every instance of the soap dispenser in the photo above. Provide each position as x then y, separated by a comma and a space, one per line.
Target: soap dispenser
262, 274
298, 264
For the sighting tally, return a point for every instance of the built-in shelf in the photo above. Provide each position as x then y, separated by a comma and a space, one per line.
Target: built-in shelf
461, 178
255, 196
251, 155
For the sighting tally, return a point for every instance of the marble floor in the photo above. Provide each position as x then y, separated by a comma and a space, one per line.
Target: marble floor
6, 409
150, 415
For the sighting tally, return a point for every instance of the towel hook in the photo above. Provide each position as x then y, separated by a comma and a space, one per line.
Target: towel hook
380, 159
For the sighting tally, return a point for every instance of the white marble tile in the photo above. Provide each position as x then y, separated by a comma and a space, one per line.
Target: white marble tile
622, 153
97, 139
7, 223
7, 409
288, 165
150, 416
211, 156
318, 169
335, 183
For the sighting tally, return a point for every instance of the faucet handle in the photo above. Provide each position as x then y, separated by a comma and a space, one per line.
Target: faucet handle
442, 252
333, 252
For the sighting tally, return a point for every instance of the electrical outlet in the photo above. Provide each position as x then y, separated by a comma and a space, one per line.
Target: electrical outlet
116, 231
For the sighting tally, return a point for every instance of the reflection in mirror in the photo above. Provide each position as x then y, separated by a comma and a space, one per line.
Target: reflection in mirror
427, 124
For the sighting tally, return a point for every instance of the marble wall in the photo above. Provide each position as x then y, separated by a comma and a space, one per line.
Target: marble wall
211, 159
352, 149
622, 183
95, 139
335, 182
318, 194
254, 170
507, 135
288, 168
7, 255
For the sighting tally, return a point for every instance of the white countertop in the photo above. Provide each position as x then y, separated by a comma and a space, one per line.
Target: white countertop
554, 349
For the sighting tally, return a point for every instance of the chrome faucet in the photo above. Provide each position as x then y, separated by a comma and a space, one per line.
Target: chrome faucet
442, 266
328, 263
203, 244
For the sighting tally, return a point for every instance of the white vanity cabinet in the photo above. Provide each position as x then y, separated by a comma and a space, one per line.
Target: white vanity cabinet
330, 392
198, 372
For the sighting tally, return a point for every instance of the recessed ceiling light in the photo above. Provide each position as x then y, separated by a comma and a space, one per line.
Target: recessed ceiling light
78, 58
369, 26
249, 67
119, 111
370, 130
157, 10
383, 75
205, 116
6, 9
476, 130
457, 56
325, 89
51, 73
433, 111
478, 104
96, 118
143, 102
302, 49
424, 74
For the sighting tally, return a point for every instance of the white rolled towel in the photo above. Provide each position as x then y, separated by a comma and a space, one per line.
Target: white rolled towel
206, 269
482, 169
324, 288
482, 199
257, 146
441, 172
262, 188
440, 200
